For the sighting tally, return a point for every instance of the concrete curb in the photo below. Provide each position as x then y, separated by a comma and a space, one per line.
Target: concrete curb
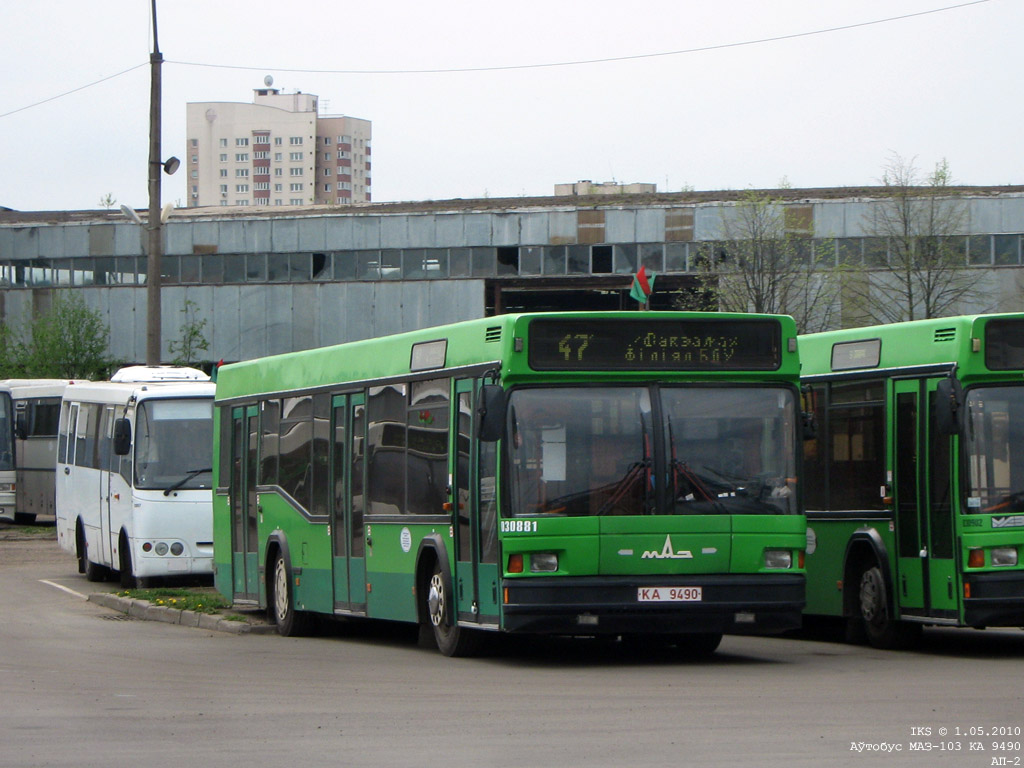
145, 610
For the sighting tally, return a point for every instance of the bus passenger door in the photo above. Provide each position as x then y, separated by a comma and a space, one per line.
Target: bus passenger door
347, 542
460, 502
356, 500
942, 577
244, 507
474, 512
108, 463
910, 500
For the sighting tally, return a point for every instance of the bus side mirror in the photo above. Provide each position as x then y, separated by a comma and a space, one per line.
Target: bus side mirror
122, 437
949, 398
21, 426
491, 413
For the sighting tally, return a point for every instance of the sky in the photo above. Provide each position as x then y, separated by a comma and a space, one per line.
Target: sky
476, 98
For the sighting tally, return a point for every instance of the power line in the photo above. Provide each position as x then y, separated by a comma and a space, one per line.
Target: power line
581, 62
74, 90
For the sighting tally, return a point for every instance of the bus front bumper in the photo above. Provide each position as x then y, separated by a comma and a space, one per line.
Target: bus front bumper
602, 605
996, 599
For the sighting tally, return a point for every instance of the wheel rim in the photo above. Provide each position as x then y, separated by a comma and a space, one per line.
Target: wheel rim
436, 600
280, 591
871, 606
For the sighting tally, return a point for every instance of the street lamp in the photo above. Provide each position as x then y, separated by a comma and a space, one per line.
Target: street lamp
155, 228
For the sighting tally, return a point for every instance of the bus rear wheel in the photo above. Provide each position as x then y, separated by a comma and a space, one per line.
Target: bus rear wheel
290, 622
881, 628
451, 639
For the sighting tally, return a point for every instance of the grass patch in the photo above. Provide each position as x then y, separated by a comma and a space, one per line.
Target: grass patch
182, 599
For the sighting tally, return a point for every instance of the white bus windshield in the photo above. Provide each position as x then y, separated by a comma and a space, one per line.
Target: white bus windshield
174, 444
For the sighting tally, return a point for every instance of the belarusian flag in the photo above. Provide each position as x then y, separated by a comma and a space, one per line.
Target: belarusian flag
642, 285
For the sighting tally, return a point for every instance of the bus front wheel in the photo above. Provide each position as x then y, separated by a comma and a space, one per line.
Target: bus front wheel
290, 622
451, 639
881, 628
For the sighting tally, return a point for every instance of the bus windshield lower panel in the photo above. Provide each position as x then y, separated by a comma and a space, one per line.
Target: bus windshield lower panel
994, 446
173, 444
692, 450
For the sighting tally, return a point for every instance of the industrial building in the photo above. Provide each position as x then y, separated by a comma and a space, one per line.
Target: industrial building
275, 280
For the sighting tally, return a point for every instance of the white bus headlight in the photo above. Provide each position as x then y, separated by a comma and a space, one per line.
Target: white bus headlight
778, 558
161, 548
1004, 556
177, 548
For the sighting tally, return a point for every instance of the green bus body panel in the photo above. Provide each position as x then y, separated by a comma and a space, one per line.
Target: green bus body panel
825, 563
935, 346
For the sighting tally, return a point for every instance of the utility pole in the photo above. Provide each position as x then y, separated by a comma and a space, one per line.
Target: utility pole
154, 224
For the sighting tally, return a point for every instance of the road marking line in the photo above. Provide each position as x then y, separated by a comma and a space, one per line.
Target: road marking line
64, 589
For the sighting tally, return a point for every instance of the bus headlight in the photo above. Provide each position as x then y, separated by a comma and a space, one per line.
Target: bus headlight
1004, 556
543, 562
778, 558
177, 548
161, 548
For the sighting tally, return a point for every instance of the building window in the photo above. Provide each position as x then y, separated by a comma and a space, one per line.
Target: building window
260, 155
223, 142
327, 171
278, 141
278, 187
241, 157
223, 157
327, 156
241, 202
261, 140
294, 171
278, 201
223, 172
224, 188
296, 201
263, 171
242, 173
295, 156
261, 185
327, 187
195, 142
279, 171
295, 140
241, 187
195, 158
278, 156
296, 187
241, 142
327, 141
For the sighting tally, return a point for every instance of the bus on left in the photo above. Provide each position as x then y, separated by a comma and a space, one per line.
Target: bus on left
134, 475
35, 406
7, 487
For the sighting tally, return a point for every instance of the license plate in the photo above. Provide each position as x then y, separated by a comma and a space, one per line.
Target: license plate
669, 594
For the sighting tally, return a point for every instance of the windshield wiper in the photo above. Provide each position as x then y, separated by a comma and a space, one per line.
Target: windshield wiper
188, 476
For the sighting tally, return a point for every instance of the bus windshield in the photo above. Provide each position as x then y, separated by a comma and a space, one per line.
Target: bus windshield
6, 432
174, 444
582, 451
995, 449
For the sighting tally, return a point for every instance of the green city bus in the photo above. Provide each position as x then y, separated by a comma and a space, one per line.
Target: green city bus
606, 473
915, 483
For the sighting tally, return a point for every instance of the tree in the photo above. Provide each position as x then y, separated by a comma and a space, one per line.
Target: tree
192, 339
768, 262
924, 273
68, 342
108, 201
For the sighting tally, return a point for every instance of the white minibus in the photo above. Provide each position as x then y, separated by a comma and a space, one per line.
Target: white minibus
134, 460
